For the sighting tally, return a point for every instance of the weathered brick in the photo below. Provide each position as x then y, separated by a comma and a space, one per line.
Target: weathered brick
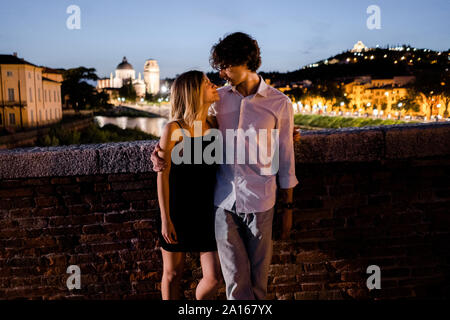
113, 246
313, 277
100, 187
16, 193
48, 201
51, 212
33, 222
144, 224
90, 179
311, 256
61, 180
138, 195
18, 214
121, 177
93, 228
79, 209
68, 189
115, 217
126, 234
6, 204
44, 190
308, 295
39, 242
95, 238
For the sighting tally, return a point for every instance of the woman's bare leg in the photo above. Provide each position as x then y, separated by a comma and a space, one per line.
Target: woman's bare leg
208, 285
173, 263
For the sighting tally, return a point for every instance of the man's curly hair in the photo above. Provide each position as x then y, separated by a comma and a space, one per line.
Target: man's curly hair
236, 49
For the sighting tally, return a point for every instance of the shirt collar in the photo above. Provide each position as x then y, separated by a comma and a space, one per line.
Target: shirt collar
262, 88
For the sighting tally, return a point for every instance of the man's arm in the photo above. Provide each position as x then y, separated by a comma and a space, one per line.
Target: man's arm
286, 173
286, 197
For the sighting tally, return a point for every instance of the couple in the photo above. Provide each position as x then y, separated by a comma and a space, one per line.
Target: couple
224, 211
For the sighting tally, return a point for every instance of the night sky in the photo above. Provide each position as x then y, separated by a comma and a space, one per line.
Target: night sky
179, 34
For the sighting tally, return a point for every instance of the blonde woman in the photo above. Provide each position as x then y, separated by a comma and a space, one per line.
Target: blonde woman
186, 191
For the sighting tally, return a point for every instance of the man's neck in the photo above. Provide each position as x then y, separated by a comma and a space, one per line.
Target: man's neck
250, 85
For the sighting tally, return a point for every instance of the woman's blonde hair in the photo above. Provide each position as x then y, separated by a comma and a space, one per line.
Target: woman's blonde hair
186, 95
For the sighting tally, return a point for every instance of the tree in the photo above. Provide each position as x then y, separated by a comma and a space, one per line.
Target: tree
430, 87
127, 91
100, 99
149, 97
80, 92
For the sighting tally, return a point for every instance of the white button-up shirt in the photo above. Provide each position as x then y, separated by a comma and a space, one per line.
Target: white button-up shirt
244, 184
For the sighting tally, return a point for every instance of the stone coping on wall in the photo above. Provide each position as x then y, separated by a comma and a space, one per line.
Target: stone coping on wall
367, 144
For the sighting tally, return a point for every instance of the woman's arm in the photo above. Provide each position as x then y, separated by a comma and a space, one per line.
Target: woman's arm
166, 146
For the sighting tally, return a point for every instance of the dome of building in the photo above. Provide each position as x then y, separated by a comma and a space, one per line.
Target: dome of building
124, 65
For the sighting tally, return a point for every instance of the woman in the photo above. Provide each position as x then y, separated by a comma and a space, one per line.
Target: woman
186, 191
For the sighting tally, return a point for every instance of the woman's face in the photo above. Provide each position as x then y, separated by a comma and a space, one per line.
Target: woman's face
210, 93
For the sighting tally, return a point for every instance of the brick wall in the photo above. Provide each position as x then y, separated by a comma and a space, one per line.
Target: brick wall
372, 196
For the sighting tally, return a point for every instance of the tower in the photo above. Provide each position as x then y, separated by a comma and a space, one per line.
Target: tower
139, 87
151, 76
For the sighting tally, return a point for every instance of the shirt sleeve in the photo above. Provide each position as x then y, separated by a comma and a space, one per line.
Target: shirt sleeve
286, 172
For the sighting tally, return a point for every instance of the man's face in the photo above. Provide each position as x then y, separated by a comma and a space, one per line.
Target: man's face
234, 74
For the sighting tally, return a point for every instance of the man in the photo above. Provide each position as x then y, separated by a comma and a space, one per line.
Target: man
244, 197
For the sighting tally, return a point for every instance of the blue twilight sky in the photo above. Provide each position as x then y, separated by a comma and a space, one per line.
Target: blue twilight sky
179, 34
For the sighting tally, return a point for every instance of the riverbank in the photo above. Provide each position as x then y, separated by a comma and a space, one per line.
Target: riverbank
29, 136
58, 136
125, 111
317, 122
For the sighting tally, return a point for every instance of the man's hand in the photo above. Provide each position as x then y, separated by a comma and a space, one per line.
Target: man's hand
158, 163
296, 134
286, 224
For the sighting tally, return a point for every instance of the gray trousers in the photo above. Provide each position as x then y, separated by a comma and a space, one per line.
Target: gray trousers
244, 244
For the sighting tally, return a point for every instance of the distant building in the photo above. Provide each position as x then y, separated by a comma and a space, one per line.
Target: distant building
125, 70
359, 47
378, 93
29, 95
126, 73
151, 76
139, 86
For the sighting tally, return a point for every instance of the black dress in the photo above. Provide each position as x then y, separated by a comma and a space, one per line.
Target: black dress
191, 203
